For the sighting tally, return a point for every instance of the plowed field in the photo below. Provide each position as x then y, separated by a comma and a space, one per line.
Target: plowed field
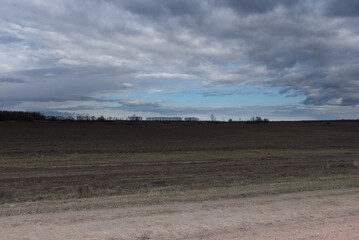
55, 167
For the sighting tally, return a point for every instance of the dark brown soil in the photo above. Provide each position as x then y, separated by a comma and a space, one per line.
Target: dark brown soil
80, 137
53, 138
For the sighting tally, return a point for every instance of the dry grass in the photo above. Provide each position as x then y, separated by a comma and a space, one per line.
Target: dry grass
248, 156
35, 177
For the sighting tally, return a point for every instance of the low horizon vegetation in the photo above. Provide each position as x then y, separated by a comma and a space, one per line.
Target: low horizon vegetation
6, 115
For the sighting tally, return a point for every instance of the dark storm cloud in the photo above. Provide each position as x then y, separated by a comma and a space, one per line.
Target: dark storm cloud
340, 8
255, 6
158, 8
11, 80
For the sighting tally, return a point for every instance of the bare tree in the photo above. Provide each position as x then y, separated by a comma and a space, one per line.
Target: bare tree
213, 118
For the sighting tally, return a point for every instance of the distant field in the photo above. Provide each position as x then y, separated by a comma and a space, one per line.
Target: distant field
119, 137
165, 162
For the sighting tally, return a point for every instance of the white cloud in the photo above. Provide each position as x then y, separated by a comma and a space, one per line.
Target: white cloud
166, 75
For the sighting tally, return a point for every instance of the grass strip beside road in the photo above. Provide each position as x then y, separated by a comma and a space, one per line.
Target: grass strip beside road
32, 183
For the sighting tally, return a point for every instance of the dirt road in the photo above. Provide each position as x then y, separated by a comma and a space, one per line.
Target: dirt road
308, 215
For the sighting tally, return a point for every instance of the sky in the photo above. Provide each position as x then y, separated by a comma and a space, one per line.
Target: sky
278, 59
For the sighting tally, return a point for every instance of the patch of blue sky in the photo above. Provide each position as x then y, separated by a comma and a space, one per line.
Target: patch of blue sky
231, 65
170, 85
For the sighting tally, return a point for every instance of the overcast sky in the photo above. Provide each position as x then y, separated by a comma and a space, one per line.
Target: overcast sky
279, 59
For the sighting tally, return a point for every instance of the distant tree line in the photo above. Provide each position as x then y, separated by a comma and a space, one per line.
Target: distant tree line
93, 118
258, 120
6, 115
19, 115
31, 116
